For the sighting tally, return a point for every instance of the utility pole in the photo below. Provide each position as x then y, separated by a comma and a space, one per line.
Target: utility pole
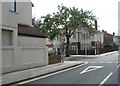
97, 50
78, 42
62, 40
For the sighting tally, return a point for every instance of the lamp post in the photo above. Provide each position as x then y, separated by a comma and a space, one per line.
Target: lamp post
62, 40
78, 42
97, 50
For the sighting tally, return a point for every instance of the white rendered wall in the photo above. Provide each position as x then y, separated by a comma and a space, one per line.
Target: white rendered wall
31, 41
9, 18
0, 55
23, 14
24, 10
31, 52
7, 37
21, 52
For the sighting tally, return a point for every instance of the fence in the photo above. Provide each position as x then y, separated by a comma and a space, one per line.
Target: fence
54, 59
92, 52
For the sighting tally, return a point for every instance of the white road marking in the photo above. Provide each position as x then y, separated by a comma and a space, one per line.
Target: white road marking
105, 79
90, 68
24, 82
118, 66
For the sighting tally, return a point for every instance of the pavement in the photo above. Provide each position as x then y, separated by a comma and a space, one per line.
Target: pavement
77, 57
15, 77
103, 72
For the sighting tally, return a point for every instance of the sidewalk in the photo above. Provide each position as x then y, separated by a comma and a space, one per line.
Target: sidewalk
89, 56
30, 73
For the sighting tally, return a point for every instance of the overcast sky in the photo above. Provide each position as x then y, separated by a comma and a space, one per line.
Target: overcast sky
105, 10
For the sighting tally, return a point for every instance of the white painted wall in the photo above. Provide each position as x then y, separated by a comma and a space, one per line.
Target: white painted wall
96, 37
9, 18
115, 39
27, 57
20, 52
0, 43
25, 52
7, 38
31, 41
0, 50
24, 10
23, 14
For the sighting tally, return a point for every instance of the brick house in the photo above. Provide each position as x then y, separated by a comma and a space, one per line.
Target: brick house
108, 39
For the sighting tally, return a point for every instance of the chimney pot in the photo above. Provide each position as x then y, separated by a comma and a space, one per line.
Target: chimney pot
113, 34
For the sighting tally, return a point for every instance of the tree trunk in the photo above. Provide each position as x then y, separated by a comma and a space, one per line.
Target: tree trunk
67, 47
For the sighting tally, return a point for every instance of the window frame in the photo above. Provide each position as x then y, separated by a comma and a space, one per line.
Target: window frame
12, 5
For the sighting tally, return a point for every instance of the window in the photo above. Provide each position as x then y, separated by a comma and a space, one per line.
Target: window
81, 46
85, 36
74, 47
13, 5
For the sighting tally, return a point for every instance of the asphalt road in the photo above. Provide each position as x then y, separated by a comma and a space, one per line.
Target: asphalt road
99, 71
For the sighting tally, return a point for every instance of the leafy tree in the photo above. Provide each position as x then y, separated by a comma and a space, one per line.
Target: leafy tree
71, 19
45, 24
36, 22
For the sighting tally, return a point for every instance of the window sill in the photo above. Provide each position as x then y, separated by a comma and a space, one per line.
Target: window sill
13, 12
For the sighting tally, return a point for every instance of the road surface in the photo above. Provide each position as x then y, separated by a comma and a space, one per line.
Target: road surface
99, 71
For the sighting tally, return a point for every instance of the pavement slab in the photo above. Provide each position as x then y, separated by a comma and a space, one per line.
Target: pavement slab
14, 77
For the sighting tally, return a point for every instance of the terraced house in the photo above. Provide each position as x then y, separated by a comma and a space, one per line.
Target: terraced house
23, 46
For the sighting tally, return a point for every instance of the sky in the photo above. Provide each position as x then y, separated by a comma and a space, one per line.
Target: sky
105, 10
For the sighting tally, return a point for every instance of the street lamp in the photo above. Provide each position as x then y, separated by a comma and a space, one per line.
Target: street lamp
97, 37
78, 42
62, 40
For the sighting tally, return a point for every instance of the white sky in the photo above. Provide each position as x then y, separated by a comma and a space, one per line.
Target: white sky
105, 10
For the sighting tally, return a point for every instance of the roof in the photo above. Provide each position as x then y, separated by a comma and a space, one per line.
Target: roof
26, 30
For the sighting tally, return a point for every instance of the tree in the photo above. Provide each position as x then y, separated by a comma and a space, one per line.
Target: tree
45, 24
71, 19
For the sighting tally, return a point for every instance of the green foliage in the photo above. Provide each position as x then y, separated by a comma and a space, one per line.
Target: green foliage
36, 22
45, 24
71, 19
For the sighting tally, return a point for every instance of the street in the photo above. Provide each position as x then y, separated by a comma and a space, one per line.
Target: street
98, 71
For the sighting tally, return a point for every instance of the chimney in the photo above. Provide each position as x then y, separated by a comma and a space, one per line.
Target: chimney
105, 31
102, 30
113, 34
96, 24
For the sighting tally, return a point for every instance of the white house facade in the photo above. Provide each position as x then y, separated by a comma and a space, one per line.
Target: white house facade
85, 39
23, 46
116, 40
